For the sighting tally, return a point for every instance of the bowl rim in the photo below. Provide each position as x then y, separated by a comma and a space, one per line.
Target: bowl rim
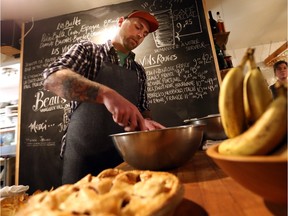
211, 116
212, 152
201, 126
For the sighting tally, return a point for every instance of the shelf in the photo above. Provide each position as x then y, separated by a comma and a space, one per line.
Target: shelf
221, 39
12, 115
9, 50
12, 106
8, 129
10, 110
8, 118
8, 150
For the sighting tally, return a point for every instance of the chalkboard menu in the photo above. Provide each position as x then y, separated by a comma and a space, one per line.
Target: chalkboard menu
178, 58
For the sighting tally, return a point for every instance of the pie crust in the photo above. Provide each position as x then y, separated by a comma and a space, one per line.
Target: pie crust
112, 192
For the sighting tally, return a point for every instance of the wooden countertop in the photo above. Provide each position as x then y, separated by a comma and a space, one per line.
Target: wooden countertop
209, 191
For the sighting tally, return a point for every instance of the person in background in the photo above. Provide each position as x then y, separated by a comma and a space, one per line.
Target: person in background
280, 71
108, 93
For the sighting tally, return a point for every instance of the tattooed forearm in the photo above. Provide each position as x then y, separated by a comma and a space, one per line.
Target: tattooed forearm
72, 86
80, 89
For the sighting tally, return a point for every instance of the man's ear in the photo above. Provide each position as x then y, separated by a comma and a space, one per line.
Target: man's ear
120, 21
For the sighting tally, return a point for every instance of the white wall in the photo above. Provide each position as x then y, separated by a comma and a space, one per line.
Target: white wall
9, 83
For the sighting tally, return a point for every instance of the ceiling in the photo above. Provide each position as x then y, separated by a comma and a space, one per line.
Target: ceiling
250, 22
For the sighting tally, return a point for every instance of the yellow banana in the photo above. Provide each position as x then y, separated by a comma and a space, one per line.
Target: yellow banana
230, 104
264, 135
256, 93
281, 149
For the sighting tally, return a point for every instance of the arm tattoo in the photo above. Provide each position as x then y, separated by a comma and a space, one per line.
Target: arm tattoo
79, 89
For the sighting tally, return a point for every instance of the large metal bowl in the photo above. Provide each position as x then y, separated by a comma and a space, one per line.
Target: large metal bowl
161, 149
213, 130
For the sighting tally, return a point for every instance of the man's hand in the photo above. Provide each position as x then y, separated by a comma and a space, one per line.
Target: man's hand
72, 86
123, 111
152, 125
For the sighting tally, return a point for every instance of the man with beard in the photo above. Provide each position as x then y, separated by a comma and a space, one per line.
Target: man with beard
108, 93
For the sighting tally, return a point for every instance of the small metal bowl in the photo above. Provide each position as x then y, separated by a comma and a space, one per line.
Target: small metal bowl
161, 149
214, 129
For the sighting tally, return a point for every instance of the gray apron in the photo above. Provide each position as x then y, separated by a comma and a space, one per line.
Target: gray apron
89, 149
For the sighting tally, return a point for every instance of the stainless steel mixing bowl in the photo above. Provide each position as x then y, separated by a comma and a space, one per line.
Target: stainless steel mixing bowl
161, 149
213, 130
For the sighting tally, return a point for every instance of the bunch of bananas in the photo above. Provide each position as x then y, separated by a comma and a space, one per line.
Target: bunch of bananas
254, 123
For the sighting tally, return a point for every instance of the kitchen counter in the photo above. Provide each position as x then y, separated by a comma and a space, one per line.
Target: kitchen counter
209, 191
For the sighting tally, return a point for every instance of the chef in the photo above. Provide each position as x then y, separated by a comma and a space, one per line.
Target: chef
108, 93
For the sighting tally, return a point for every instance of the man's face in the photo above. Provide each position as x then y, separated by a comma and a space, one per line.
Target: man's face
281, 71
132, 32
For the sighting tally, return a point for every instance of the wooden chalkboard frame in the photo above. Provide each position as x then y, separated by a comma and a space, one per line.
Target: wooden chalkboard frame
217, 68
23, 103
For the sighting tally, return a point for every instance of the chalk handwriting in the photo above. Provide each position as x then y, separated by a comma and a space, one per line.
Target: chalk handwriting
68, 24
48, 103
36, 127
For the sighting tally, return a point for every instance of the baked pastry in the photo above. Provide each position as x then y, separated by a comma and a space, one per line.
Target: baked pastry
11, 198
112, 192
9, 205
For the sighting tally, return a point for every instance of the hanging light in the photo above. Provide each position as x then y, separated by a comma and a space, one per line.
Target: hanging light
8, 71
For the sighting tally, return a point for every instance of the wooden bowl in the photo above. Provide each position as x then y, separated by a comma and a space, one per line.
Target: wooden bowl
264, 175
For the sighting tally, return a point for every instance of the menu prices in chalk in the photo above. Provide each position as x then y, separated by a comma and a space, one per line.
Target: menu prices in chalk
180, 67
181, 81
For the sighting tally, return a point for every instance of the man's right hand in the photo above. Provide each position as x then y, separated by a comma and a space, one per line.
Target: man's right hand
123, 111
72, 86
